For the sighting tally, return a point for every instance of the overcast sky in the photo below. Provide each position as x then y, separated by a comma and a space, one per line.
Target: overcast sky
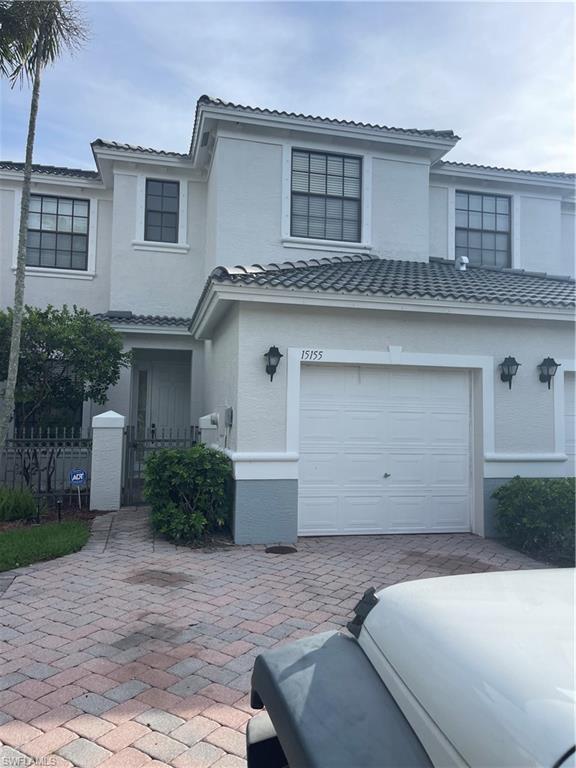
501, 75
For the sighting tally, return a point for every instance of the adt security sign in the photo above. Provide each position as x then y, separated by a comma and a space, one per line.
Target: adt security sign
77, 477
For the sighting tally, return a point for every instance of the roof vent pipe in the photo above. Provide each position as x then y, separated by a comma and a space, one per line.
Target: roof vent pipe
462, 262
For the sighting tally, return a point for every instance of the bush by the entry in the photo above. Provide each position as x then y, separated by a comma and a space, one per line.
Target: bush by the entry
189, 491
536, 516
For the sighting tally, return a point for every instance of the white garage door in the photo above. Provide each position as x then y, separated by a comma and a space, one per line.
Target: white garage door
384, 450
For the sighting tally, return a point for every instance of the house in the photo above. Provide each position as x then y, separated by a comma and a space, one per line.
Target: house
393, 282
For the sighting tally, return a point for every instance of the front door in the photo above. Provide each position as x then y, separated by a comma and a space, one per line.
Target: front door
162, 395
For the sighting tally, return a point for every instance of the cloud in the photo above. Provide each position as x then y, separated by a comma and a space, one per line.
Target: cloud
499, 74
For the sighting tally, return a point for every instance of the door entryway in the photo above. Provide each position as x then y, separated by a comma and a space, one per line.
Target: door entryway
384, 450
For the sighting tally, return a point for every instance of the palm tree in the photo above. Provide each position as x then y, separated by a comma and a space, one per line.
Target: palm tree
33, 34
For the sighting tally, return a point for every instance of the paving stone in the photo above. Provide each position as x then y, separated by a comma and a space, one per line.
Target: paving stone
195, 730
89, 726
40, 671
226, 715
84, 753
160, 746
12, 758
25, 709
125, 711
15, 733
130, 758
8, 681
123, 736
159, 720
92, 703
201, 755
55, 717
125, 691
186, 667
229, 761
48, 742
188, 685
228, 740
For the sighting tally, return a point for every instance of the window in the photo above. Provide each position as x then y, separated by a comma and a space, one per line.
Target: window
57, 233
483, 228
162, 203
326, 196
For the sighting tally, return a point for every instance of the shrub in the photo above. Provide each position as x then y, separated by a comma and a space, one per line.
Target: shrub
16, 504
189, 491
536, 516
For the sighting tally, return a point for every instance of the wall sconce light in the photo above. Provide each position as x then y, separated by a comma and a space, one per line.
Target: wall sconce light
272, 359
509, 368
548, 368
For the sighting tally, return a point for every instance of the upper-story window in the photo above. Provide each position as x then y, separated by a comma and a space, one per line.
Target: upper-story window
57, 232
483, 228
326, 196
162, 203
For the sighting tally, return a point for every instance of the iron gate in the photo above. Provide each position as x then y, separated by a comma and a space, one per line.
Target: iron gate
138, 445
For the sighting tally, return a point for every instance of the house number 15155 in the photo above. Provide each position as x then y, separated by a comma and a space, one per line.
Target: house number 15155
312, 354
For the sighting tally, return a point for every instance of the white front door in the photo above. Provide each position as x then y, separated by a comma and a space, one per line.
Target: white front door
384, 450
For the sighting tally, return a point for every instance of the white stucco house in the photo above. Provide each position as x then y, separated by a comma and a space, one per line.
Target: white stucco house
393, 282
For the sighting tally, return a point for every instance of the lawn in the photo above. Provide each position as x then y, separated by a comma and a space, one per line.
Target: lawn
26, 545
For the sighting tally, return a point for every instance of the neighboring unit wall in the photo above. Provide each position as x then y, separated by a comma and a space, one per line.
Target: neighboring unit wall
90, 289
221, 358
439, 222
568, 256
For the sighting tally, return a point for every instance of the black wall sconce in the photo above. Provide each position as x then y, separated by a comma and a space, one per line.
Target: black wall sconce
548, 368
509, 368
272, 360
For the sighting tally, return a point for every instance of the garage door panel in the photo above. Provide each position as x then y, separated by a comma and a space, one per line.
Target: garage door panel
449, 468
407, 468
318, 467
319, 514
450, 512
358, 423
317, 425
449, 428
361, 514
406, 426
408, 513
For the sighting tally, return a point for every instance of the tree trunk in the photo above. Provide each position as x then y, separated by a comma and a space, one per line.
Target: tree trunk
7, 406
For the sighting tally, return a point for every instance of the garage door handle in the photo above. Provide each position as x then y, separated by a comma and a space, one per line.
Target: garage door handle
386, 475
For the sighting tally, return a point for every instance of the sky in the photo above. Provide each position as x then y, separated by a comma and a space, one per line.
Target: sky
501, 75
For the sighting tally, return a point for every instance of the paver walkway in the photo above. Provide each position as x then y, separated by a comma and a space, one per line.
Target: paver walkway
136, 652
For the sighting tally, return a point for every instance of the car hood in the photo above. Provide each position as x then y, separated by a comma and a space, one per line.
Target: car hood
489, 657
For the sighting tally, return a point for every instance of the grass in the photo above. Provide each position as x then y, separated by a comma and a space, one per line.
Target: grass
23, 546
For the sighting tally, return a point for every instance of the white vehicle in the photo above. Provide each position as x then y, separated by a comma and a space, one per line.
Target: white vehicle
451, 672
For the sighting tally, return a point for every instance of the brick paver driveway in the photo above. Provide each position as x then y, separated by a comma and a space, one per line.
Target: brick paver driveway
133, 652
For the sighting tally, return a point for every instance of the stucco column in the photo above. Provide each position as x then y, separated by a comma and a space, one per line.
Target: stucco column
106, 474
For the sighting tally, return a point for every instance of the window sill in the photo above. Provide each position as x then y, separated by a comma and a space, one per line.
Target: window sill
71, 274
325, 245
151, 245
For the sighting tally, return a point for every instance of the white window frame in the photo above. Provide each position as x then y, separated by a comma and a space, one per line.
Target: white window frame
139, 243
318, 244
73, 274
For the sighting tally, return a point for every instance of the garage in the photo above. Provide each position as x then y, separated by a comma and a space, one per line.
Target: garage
384, 450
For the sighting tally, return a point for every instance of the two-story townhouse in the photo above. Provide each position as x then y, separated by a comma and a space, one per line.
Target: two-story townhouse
393, 283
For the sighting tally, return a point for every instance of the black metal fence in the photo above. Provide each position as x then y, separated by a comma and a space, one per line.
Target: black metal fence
42, 460
139, 444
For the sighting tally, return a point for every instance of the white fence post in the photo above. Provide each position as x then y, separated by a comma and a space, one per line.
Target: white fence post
106, 474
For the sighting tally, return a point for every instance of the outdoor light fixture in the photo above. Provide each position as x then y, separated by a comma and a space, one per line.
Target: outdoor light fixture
548, 368
509, 369
272, 359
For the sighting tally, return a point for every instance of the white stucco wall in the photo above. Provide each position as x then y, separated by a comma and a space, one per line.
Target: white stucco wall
439, 221
568, 256
221, 357
524, 415
155, 281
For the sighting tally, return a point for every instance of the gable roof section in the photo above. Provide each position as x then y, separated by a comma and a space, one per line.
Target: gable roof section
117, 145
51, 170
438, 279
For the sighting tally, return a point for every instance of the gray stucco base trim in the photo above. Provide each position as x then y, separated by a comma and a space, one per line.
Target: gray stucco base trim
266, 512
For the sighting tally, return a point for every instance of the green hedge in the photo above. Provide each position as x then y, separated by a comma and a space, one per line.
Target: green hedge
16, 504
536, 516
189, 492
